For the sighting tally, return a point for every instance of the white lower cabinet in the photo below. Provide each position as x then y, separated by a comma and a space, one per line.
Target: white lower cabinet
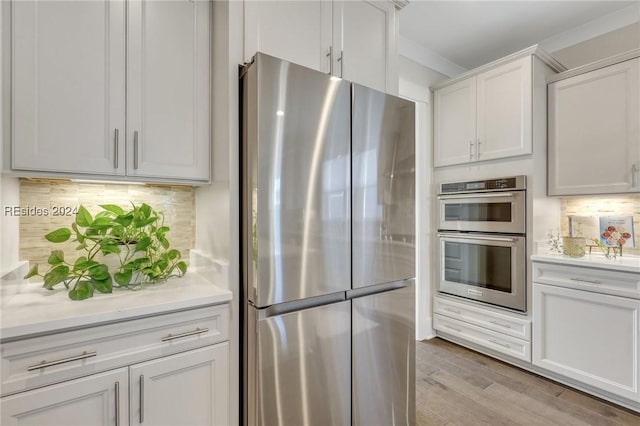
589, 337
100, 399
483, 326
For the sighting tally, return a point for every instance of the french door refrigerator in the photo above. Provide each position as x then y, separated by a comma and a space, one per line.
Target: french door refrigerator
328, 248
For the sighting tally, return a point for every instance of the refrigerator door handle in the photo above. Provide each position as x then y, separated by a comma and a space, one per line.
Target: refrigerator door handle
298, 305
379, 288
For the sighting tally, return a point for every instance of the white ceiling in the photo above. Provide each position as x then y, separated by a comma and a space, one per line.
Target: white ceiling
473, 33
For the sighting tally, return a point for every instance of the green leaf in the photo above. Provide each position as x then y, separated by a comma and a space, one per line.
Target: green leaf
55, 275
32, 272
123, 278
82, 290
182, 266
99, 272
145, 209
109, 246
164, 242
83, 217
102, 223
56, 257
103, 286
162, 231
113, 209
141, 223
124, 220
83, 264
143, 243
173, 254
60, 235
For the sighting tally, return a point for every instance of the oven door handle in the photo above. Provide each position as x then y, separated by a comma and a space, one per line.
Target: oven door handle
477, 195
473, 237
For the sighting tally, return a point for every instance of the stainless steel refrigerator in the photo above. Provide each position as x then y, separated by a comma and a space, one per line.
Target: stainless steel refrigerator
328, 248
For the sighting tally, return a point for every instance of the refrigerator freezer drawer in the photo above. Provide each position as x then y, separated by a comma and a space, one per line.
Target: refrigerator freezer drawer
383, 371
299, 367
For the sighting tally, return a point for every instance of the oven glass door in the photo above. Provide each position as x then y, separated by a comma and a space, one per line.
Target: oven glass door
488, 212
488, 268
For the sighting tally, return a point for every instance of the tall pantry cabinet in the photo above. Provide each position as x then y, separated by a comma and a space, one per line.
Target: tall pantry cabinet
355, 40
111, 89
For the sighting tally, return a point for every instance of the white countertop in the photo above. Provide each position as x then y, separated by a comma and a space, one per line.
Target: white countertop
28, 309
620, 263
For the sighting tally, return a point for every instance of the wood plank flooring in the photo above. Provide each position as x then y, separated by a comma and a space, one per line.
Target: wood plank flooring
457, 386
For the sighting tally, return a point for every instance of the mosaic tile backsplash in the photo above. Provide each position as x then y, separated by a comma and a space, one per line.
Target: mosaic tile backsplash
623, 205
59, 198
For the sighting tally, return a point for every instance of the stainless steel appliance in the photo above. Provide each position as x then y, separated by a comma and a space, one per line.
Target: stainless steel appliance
482, 236
328, 248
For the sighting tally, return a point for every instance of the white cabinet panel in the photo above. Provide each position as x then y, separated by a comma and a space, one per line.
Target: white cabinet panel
190, 388
362, 39
68, 94
296, 31
168, 100
90, 401
504, 111
590, 337
455, 123
594, 132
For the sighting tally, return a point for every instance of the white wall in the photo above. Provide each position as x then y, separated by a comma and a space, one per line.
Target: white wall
414, 82
217, 205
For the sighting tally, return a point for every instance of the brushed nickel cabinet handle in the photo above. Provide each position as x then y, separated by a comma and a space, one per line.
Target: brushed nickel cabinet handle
504, 345
330, 56
500, 324
634, 175
584, 280
117, 403
45, 364
341, 60
470, 150
115, 149
188, 333
478, 142
141, 399
135, 150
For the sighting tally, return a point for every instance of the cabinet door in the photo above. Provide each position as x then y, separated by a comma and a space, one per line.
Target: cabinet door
589, 337
504, 111
455, 123
364, 42
68, 87
594, 128
296, 31
100, 399
168, 89
190, 388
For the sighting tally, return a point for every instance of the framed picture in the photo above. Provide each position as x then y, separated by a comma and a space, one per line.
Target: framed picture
617, 231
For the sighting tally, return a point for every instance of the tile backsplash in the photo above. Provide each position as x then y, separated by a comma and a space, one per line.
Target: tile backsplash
176, 202
622, 205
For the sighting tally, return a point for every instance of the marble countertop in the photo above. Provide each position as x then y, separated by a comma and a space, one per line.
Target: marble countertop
620, 263
28, 309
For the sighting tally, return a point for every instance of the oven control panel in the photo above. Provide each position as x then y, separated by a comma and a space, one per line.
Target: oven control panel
500, 184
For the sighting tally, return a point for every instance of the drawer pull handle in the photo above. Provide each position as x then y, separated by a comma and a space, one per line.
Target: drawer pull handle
584, 280
45, 364
453, 328
455, 311
141, 398
117, 403
500, 324
188, 333
504, 345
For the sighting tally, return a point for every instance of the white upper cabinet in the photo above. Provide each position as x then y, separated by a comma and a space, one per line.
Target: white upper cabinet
355, 40
594, 131
485, 116
68, 91
455, 123
112, 89
168, 96
504, 111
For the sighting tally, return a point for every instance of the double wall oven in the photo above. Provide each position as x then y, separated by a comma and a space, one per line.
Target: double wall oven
482, 237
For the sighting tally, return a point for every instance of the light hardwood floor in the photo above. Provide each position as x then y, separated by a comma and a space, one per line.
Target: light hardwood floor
457, 386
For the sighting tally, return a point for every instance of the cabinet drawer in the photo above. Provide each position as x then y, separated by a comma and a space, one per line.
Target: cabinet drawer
490, 339
499, 322
617, 283
53, 358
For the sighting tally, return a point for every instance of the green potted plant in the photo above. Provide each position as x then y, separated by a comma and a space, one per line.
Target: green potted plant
136, 238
